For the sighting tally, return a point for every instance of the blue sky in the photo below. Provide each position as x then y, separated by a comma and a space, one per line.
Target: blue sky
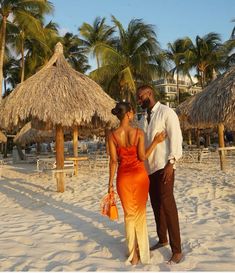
172, 18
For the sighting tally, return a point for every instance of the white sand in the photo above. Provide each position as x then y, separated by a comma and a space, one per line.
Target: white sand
42, 230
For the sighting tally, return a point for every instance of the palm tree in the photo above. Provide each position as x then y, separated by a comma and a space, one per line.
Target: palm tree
176, 54
11, 73
17, 8
233, 32
94, 34
39, 51
27, 28
75, 53
206, 56
229, 47
135, 58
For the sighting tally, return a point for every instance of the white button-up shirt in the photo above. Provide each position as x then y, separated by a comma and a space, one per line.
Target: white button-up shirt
163, 118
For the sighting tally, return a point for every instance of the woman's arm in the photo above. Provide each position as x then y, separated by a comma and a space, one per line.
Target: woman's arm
143, 153
113, 161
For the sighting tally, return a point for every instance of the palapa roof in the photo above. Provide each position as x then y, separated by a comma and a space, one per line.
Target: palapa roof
28, 134
58, 95
216, 103
3, 138
183, 111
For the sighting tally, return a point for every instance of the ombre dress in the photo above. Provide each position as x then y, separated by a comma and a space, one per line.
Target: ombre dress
132, 188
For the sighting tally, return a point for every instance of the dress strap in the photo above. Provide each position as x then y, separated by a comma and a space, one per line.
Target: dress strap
115, 140
136, 134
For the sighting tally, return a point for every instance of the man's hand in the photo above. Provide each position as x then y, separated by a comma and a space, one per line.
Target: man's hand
168, 172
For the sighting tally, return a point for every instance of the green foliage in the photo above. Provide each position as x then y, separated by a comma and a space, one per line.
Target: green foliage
74, 52
135, 58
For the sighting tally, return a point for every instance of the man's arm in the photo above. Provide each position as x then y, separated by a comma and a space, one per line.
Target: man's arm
175, 141
174, 135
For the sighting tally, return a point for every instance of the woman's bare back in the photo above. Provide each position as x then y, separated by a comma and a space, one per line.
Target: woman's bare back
126, 137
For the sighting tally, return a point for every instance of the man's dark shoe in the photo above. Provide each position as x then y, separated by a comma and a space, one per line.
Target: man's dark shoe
158, 245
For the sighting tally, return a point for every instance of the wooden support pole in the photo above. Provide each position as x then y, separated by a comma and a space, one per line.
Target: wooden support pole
75, 149
208, 140
38, 145
198, 137
221, 145
189, 137
60, 158
106, 131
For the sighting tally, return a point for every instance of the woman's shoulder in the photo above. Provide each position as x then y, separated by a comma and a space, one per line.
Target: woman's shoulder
113, 132
139, 130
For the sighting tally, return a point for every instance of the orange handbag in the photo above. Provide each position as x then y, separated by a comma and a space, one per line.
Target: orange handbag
109, 207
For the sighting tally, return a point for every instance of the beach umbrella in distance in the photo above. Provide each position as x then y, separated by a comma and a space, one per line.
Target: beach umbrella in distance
215, 105
58, 97
184, 111
28, 134
3, 138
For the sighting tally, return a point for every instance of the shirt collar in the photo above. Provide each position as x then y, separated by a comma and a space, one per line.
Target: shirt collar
155, 107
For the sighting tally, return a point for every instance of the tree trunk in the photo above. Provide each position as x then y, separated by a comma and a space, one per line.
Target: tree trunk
221, 145
2, 50
97, 60
22, 60
60, 158
177, 88
75, 149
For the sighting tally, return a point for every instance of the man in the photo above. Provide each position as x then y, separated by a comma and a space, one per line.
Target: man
160, 166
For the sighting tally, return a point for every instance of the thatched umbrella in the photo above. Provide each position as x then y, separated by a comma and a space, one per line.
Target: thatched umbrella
184, 112
28, 134
215, 105
3, 138
58, 97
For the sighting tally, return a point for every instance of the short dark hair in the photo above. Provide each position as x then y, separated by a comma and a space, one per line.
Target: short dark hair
121, 109
143, 87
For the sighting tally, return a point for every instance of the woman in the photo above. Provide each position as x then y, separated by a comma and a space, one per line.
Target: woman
126, 147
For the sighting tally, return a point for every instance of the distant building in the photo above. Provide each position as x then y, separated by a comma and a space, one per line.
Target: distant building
168, 87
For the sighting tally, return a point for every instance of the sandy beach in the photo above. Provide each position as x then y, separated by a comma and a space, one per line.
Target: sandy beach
42, 230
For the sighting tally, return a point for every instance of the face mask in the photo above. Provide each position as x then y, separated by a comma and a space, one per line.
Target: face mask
145, 104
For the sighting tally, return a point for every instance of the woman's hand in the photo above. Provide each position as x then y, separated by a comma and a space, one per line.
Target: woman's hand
159, 137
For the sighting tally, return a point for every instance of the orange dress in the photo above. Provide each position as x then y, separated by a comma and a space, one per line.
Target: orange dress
133, 188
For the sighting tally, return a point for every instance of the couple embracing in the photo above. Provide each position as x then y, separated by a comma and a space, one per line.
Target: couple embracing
146, 161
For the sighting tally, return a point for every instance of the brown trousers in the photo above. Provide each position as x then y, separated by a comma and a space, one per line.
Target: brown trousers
165, 210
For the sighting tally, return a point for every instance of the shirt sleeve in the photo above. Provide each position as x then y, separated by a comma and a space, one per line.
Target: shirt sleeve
174, 135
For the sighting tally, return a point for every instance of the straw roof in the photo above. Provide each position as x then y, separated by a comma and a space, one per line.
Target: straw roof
183, 111
3, 138
58, 95
28, 134
216, 103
